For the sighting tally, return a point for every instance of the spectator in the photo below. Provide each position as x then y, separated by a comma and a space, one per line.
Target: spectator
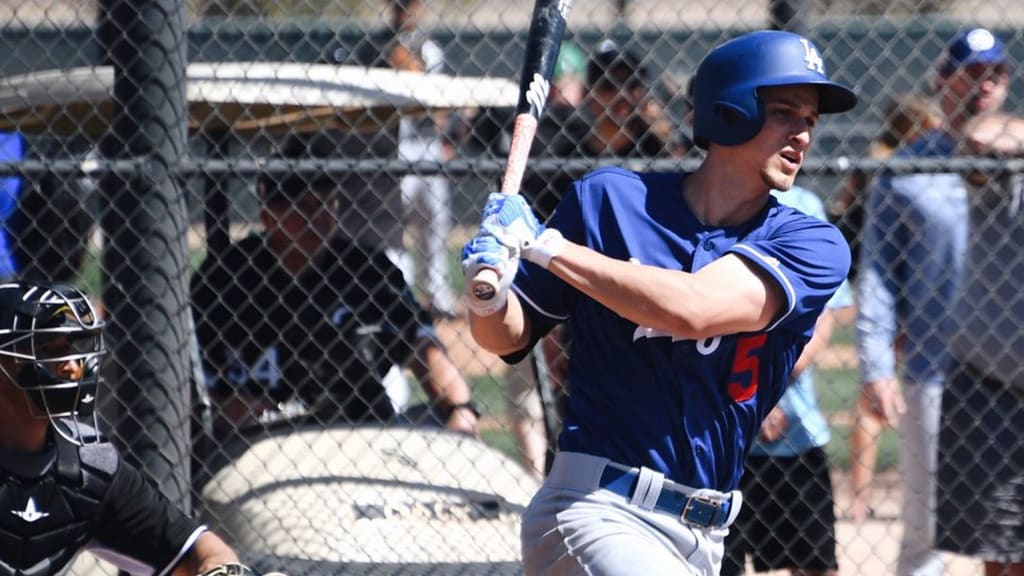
301, 313
427, 214
381, 208
912, 258
384, 208
688, 297
568, 82
628, 121
66, 486
907, 118
788, 521
618, 118
980, 507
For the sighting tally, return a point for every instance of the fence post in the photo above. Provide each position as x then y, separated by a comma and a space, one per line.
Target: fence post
144, 219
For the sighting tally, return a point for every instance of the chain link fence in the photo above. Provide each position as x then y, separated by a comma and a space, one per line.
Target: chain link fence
283, 361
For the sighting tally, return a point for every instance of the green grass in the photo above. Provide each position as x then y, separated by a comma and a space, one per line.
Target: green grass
837, 390
489, 395
844, 335
455, 271
89, 279
837, 397
839, 449
502, 440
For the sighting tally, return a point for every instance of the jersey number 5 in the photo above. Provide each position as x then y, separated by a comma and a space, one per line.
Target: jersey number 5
747, 361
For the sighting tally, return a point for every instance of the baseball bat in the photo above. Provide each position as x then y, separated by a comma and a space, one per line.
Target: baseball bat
547, 26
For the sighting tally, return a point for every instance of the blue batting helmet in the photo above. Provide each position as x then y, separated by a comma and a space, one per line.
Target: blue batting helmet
727, 109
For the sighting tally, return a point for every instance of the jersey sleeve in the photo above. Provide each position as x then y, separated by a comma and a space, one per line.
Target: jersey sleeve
808, 258
139, 527
547, 300
808, 202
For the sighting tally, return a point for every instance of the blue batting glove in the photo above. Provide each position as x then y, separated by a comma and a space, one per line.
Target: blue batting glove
510, 219
485, 252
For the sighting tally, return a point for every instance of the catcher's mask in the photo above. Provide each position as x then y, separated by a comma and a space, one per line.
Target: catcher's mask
51, 345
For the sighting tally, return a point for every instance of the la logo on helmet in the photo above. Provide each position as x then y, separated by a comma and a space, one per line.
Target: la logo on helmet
812, 57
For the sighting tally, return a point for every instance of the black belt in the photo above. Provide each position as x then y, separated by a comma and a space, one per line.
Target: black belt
696, 510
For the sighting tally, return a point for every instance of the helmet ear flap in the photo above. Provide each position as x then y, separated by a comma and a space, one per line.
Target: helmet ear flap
734, 123
730, 114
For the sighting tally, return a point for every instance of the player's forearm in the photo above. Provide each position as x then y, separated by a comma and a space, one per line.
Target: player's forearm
504, 332
996, 133
728, 298
440, 378
875, 326
822, 335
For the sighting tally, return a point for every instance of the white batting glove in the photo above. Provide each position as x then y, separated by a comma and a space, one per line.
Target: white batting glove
510, 219
486, 252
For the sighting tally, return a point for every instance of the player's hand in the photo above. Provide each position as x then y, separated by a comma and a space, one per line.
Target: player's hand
995, 133
885, 400
484, 251
774, 425
464, 420
510, 219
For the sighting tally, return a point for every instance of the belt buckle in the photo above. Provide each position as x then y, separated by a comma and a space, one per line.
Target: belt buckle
703, 518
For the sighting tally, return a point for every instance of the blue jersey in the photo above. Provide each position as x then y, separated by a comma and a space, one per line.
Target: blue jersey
689, 409
806, 426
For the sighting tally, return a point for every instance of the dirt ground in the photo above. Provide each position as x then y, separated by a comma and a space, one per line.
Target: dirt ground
871, 548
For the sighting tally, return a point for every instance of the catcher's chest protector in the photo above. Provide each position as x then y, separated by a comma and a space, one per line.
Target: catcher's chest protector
45, 520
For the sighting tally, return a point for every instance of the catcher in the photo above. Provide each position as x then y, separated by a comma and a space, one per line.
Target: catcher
64, 487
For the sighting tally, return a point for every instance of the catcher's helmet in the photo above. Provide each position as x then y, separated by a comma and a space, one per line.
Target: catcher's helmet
51, 342
727, 109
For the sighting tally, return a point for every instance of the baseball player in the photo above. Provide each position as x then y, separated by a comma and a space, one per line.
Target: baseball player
64, 487
688, 298
302, 314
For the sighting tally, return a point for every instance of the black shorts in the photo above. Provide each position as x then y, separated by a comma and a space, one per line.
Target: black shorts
787, 520
980, 490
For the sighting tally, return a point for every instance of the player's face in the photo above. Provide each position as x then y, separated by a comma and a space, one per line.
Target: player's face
307, 222
68, 363
616, 96
778, 150
975, 89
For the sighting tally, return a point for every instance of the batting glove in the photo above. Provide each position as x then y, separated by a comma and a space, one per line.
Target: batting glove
486, 252
510, 219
